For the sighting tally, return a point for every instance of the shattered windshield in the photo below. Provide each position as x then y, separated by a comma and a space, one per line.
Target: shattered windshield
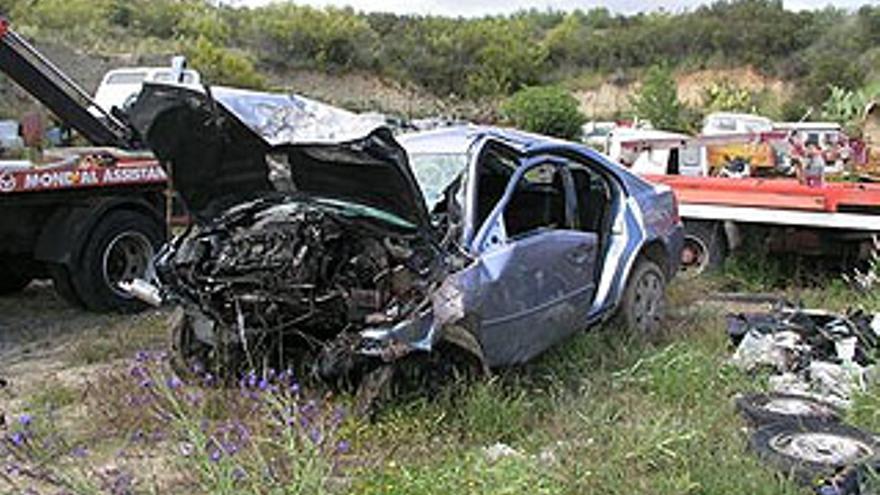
435, 172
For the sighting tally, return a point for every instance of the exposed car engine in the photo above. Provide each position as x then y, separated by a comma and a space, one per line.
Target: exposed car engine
288, 270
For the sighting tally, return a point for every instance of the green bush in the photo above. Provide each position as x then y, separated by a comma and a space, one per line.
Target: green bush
657, 100
547, 110
298, 35
219, 65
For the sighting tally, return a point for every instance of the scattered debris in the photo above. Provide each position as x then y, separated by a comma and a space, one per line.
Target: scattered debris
762, 409
499, 451
867, 279
819, 360
813, 353
814, 451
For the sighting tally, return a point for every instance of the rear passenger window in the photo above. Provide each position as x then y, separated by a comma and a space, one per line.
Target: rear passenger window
538, 202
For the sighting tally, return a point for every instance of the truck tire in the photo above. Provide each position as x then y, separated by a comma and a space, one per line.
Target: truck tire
63, 284
12, 280
120, 247
705, 247
643, 306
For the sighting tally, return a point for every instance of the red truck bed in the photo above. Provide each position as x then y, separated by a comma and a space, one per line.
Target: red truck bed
785, 194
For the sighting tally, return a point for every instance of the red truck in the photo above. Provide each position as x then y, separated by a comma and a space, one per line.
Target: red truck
837, 220
88, 218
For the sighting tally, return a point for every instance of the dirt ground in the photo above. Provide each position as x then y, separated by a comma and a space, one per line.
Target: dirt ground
43, 339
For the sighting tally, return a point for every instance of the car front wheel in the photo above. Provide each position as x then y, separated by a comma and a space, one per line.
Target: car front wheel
644, 300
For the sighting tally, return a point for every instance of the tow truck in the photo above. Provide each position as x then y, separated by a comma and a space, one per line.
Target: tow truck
838, 219
89, 218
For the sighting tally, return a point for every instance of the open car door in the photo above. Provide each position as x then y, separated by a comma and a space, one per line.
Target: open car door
538, 270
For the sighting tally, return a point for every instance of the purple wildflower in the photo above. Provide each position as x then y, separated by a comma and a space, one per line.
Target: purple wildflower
230, 448
142, 356
17, 438
343, 446
338, 416
315, 435
79, 452
198, 368
215, 455
173, 383
25, 420
238, 473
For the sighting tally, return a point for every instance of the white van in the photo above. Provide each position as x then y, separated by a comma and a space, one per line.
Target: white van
121, 85
652, 152
720, 123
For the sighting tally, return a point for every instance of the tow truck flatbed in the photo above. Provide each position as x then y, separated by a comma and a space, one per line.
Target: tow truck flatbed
782, 194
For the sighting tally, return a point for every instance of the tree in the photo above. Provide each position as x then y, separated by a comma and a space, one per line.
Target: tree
657, 100
547, 110
222, 66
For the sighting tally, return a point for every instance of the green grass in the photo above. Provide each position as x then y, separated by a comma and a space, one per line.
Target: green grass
120, 338
619, 414
606, 412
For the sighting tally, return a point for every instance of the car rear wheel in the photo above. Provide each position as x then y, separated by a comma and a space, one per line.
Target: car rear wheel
644, 300
120, 248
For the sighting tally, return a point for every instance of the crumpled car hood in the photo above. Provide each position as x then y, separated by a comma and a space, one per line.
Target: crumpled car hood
222, 146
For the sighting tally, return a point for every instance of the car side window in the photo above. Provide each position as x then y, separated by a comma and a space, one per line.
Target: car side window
593, 198
538, 202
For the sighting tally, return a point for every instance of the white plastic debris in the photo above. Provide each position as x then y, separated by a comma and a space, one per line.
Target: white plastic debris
836, 380
776, 350
498, 451
846, 349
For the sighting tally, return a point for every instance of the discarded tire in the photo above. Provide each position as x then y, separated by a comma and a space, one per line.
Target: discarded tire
762, 409
813, 450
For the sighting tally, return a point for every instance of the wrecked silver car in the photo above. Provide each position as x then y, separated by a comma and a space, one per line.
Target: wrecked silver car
321, 238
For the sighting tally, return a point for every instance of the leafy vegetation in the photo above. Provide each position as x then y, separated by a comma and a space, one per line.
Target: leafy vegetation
487, 57
608, 412
547, 110
657, 100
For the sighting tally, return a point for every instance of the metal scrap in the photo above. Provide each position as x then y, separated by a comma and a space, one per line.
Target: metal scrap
813, 353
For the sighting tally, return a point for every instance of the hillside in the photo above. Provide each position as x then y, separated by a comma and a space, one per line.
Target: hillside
782, 61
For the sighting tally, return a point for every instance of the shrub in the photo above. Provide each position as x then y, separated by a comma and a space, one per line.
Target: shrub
657, 100
265, 436
547, 110
219, 65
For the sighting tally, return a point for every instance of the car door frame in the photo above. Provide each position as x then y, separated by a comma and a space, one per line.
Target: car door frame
490, 242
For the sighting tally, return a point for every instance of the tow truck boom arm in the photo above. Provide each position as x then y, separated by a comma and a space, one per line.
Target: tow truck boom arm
47, 83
